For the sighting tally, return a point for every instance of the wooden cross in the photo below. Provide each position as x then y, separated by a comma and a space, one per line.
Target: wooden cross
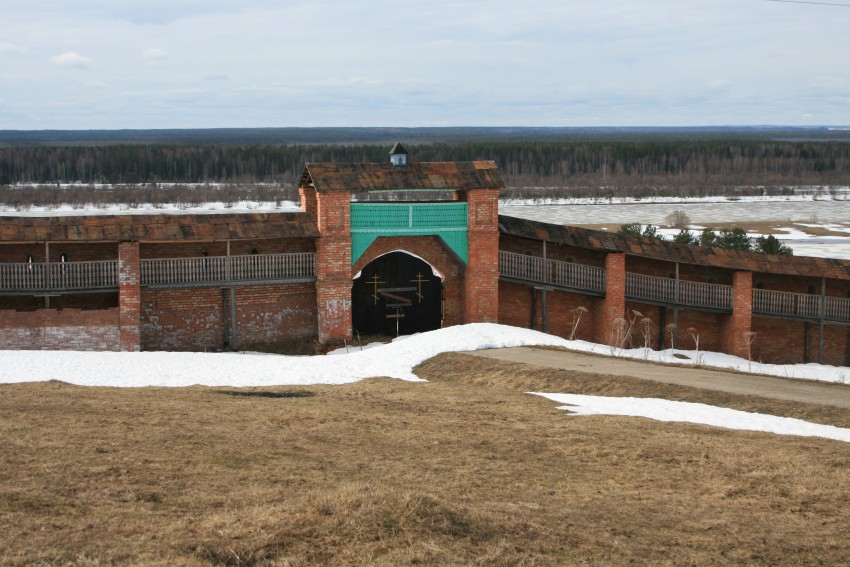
419, 281
375, 282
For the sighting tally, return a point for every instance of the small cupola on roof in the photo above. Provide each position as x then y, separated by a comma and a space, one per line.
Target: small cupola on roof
398, 155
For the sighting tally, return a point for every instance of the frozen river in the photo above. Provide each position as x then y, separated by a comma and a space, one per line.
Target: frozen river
780, 213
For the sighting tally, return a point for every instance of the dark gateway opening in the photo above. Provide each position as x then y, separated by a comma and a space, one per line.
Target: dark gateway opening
397, 293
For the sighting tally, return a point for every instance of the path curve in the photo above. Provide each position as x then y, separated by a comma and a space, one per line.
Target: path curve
804, 391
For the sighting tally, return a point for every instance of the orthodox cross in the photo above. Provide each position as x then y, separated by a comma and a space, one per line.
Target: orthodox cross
375, 282
419, 281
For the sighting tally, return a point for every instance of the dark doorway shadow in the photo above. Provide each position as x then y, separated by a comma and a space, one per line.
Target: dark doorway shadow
397, 294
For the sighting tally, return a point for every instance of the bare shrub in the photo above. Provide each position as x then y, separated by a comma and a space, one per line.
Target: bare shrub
618, 333
671, 330
646, 332
749, 339
577, 314
622, 327
695, 336
678, 219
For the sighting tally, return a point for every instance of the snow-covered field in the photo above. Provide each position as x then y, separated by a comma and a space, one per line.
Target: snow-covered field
152, 209
793, 217
397, 360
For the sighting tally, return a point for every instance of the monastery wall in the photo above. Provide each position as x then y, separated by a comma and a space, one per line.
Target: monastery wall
55, 329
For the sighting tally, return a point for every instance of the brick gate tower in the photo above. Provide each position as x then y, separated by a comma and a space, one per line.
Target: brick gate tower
442, 213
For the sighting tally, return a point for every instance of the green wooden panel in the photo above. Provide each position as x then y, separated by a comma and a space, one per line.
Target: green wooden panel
446, 220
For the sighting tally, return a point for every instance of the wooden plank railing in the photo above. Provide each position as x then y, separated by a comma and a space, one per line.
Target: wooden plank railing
577, 276
714, 296
522, 266
58, 276
836, 309
769, 302
197, 272
552, 272
650, 288
785, 303
690, 294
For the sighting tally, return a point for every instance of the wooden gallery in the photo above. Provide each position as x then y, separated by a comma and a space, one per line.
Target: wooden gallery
400, 248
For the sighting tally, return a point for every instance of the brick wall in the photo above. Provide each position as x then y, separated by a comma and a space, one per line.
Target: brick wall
87, 301
706, 324
481, 280
77, 252
237, 248
735, 327
614, 304
51, 329
273, 314
333, 266
515, 308
690, 272
187, 319
129, 295
780, 341
199, 319
559, 252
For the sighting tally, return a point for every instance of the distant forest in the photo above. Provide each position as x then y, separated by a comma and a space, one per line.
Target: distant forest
655, 165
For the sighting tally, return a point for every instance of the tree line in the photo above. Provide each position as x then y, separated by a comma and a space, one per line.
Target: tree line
530, 168
735, 238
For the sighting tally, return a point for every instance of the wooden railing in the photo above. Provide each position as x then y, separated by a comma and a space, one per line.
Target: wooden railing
168, 272
58, 276
638, 286
678, 292
804, 306
552, 272
214, 270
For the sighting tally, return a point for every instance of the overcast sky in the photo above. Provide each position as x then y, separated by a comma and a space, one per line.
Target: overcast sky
91, 64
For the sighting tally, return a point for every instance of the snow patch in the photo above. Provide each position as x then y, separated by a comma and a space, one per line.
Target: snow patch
666, 410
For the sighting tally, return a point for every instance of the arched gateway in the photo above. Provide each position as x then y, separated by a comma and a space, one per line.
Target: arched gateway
397, 293
448, 206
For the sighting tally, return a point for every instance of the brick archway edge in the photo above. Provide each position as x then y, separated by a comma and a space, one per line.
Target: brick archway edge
431, 249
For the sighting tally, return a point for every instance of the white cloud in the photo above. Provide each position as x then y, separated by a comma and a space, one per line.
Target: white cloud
154, 54
650, 62
71, 59
96, 84
11, 48
364, 81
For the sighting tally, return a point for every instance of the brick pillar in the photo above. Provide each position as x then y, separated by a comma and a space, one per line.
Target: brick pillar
741, 321
481, 279
333, 265
129, 296
309, 203
614, 304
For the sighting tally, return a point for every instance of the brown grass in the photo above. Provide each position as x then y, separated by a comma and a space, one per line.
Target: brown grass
466, 469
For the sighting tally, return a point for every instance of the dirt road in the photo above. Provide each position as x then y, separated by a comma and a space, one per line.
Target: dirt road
731, 382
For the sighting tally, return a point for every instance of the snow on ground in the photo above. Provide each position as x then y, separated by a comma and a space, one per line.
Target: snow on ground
137, 369
666, 410
705, 359
151, 209
801, 194
396, 360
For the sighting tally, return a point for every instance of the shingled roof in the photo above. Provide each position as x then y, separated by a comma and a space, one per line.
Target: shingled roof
106, 228
672, 252
360, 177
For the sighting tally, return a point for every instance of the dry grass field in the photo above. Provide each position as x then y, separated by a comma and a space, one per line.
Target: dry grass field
464, 470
